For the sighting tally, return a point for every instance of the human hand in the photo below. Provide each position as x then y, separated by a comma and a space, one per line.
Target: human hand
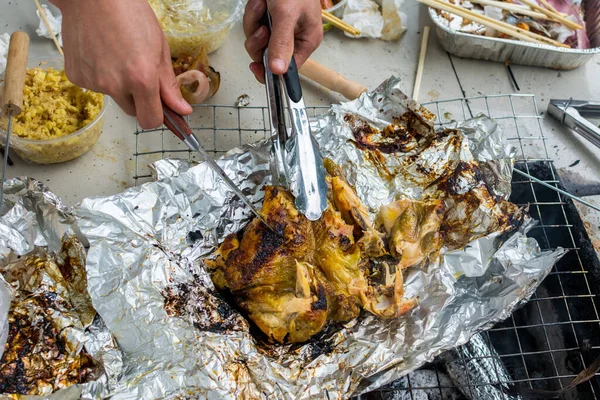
117, 47
297, 30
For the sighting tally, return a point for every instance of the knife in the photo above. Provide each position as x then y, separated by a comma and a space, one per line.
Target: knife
178, 125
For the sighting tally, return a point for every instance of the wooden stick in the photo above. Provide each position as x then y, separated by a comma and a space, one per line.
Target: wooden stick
14, 77
516, 8
338, 23
500, 26
554, 16
47, 23
421, 64
332, 80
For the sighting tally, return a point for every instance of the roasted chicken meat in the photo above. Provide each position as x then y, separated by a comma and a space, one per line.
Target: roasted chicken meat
294, 280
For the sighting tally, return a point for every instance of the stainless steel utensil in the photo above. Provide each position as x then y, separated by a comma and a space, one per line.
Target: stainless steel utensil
12, 94
573, 113
178, 125
296, 161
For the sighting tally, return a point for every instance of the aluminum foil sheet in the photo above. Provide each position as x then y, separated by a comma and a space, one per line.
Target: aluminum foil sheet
518, 52
54, 334
181, 339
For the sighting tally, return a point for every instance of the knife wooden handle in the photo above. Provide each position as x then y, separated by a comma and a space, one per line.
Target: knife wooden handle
14, 78
332, 80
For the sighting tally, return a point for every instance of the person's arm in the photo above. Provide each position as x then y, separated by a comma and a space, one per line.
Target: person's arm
297, 30
117, 47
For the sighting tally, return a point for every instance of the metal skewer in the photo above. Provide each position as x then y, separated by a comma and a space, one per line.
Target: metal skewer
566, 194
176, 124
12, 94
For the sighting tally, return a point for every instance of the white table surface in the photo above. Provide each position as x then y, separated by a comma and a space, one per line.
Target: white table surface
109, 167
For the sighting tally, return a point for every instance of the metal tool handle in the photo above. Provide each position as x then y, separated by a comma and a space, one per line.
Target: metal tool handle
292, 82
14, 77
582, 126
176, 123
589, 109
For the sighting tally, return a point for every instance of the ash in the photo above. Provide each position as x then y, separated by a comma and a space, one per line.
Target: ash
205, 310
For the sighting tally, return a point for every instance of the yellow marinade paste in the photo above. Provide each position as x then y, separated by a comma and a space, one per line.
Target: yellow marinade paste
53, 107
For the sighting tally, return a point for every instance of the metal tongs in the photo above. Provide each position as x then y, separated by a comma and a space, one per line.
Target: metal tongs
573, 114
296, 162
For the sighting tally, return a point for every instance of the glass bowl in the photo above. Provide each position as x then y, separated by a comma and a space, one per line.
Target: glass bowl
61, 149
190, 25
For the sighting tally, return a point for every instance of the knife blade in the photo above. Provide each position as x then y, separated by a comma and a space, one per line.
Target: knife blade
178, 125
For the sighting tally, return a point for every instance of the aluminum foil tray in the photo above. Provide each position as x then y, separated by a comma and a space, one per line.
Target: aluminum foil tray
518, 52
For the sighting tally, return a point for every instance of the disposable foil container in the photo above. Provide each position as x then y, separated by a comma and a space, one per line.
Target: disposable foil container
519, 52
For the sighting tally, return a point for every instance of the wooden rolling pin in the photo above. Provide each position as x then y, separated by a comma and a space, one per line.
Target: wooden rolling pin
14, 77
331, 80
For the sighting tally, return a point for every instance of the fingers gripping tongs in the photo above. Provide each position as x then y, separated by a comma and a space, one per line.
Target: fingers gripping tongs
296, 162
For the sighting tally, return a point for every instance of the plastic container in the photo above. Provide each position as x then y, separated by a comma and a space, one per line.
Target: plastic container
63, 148
338, 11
190, 25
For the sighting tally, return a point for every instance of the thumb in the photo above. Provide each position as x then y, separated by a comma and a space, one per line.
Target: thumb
281, 45
170, 92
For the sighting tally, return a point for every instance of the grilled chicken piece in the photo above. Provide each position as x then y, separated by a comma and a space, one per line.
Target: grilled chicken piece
355, 213
414, 230
292, 281
472, 211
270, 273
339, 258
384, 296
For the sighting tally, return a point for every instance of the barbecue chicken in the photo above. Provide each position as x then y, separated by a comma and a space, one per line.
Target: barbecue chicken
292, 281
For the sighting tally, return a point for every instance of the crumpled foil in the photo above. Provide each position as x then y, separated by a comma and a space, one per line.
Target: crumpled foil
37, 226
180, 338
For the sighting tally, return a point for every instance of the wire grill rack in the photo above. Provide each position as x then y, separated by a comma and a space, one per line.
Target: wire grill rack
545, 343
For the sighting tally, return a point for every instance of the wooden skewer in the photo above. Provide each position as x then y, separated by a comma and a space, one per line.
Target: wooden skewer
332, 80
338, 23
516, 8
421, 65
554, 16
500, 26
47, 23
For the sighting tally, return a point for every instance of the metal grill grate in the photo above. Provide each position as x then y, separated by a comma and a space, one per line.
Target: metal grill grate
545, 343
